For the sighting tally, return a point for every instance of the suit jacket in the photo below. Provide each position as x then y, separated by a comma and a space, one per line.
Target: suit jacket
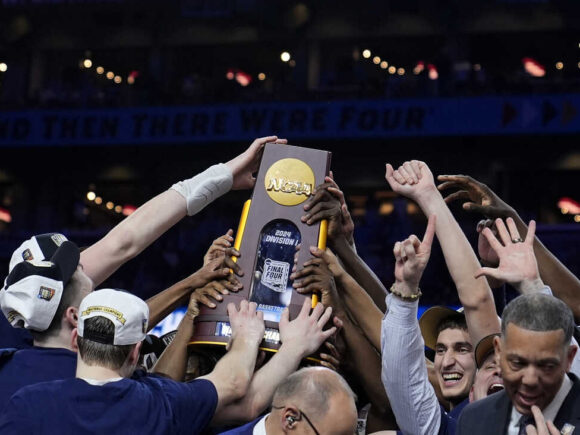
492, 414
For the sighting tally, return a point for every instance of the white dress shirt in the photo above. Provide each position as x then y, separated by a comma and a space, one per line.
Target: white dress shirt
404, 372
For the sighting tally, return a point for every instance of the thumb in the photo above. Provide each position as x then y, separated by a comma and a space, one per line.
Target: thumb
285, 317
476, 208
488, 271
316, 252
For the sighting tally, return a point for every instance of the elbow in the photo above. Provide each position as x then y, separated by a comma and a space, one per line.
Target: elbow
239, 386
123, 244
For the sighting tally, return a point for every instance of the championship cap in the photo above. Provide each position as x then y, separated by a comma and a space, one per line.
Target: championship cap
432, 318
39, 248
484, 348
33, 289
129, 314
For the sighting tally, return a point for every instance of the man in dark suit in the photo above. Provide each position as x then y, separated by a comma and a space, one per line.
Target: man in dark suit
535, 357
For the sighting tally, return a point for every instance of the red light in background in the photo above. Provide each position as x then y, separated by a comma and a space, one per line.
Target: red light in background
5, 215
128, 209
533, 67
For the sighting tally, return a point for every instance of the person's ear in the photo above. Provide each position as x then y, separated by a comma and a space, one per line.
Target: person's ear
497, 347
289, 417
71, 315
74, 335
572, 349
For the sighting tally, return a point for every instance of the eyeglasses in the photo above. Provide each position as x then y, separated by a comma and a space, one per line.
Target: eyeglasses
300, 414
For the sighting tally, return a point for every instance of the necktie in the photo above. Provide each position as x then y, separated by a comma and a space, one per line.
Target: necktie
524, 421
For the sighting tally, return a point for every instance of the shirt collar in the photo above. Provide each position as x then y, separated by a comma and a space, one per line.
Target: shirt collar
260, 427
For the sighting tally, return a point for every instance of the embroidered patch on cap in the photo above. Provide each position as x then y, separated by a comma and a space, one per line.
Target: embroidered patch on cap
46, 293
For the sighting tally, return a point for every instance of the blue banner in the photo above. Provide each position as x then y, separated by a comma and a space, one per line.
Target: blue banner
356, 119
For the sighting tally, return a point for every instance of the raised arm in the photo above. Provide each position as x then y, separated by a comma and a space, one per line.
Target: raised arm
233, 372
300, 338
356, 301
415, 181
156, 216
404, 373
479, 198
322, 274
217, 272
517, 262
328, 203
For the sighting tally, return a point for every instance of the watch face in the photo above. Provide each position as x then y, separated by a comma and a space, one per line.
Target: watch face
271, 286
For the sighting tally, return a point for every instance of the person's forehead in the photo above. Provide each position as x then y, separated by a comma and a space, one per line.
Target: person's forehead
452, 336
532, 345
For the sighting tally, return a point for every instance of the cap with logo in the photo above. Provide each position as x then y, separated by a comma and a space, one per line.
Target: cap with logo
39, 248
484, 348
129, 314
34, 288
432, 318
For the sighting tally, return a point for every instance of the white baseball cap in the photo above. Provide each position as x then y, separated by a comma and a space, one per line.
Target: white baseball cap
39, 248
33, 289
129, 314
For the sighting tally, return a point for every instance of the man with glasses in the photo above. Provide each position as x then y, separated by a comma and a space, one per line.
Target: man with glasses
313, 400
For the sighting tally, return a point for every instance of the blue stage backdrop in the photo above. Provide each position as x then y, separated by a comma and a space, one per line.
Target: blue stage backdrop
554, 114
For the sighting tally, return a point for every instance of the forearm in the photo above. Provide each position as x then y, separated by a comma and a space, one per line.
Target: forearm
362, 308
367, 365
163, 303
359, 270
404, 372
564, 284
133, 235
474, 293
233, 372
152, 219
173, 360
261, 388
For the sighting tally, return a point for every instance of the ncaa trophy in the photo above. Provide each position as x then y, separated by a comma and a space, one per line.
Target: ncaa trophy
268, 236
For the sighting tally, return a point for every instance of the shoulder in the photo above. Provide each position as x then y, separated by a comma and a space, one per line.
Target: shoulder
490, 405
199, 390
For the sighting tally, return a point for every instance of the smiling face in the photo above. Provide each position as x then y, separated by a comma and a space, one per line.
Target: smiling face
454, 364
533, 365
487, 379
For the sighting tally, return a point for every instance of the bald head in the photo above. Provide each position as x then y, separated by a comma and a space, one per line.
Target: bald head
320, 393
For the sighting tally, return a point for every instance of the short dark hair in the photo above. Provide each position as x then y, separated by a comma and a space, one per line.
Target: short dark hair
99, 354
452, 322
317, 390
539, 312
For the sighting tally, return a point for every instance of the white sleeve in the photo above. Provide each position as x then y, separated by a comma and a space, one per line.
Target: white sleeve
404, 372
205, 187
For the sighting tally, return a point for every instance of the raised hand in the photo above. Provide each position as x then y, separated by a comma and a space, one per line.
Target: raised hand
486, 253
517, 262
211, 292
328, 203
221, 269
247, 323
412, 179
411, 258
246, 164
318, 275
219, 246
193, 307
477, 196
305, 333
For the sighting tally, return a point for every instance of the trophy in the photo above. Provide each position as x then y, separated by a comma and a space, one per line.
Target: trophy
268, 238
